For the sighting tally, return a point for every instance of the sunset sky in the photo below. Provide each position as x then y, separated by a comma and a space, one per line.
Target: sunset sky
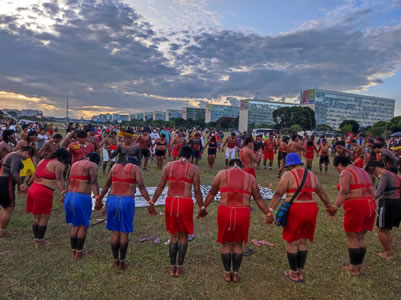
130, 56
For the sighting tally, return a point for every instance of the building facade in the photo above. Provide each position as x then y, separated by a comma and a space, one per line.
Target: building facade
125, 118
159, 115
331, 108
254, 113
173, 114
148, 116
139, 116
215, 112
193, 113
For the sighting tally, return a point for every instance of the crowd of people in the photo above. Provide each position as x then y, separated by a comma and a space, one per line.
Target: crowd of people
40, 161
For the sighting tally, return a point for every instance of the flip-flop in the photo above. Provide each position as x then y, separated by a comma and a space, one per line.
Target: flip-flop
167, 243
263, 242
286, 275
156, 240
191, 237
248, 252
145, 238
255, 242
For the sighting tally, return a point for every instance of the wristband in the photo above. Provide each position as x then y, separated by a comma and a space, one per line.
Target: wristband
150, 202
97, 197
63, 192
203, 207
269, 214
270, 209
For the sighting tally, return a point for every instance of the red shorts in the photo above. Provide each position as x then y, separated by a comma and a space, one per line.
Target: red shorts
360, 214
358, 163
250, 171
179, 215
39, 200
176, 151
301, 222
309, 155
233, 224
268, 155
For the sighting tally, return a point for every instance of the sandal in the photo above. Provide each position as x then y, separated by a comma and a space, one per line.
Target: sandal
301, 273
287, 275
248, 252
172, 271
263, 242
255, 242
386, 255
235, 277
352, 270
227, 276
179, 271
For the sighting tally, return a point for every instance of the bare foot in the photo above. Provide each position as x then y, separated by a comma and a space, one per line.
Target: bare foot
123, 265
116, 264
81, 254
301, 276
5, 234
386, 255
172, 271
74, 254
43, 243
227, 276
353, 270
291, 275
179, 271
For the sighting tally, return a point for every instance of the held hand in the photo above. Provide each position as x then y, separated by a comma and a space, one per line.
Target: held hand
202, 213
152, 211
23, 188
98, 205
62, 198
331, 211
269, 219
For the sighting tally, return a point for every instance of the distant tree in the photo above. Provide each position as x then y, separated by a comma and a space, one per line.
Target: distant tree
324, 127
381, 129
295, 128
227, 123
285, 117
346, 128
395, 124
12, 114
354, 124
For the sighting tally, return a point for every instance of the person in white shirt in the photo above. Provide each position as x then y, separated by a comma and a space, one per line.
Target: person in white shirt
154, 136
42, 138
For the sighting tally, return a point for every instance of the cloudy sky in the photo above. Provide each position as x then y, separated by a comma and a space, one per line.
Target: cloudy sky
146, 55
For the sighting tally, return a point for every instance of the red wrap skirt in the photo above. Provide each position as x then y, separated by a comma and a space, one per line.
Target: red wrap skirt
301, 222
268, 155
360, 214
179, 215
176, 151
233, 224
251, 171
39, 200
309, 155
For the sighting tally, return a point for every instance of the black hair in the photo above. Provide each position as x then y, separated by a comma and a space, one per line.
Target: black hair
29, 149
310, 143
324, 140
353, 141
62, 156
247, 140
285, 139
57, 136
343, 160
162, 135
132, 160
82, 134
340, 143
381, 140
213, 139
93, 157
186, 152
232, 133
113, 132
378, 145
294, 137
31, 134
235, 161
6, 134
24, 126
371, 141
374, 164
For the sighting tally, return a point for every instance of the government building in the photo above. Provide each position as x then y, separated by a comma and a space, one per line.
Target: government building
331, 108
215, 112
193, 113
254, 113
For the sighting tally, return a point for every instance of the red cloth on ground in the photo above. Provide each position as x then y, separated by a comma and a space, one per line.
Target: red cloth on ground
268, 155
301, 221
39, 200
360, 214
251, 171
233, 224
179, 214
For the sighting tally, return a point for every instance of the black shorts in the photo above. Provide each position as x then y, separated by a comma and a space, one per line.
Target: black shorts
282, 155
196, 154
160, 152
211, 151
145, 153
389, 213
7, 192
324, 159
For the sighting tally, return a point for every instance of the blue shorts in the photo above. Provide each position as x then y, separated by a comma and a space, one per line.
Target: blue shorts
120, 213
78, 209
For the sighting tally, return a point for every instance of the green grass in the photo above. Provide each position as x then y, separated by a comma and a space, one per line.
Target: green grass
50, 273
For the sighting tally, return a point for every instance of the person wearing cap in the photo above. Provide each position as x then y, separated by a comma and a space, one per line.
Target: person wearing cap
48, 177
302, 214
388, 195
181, 176
355, 194
323, 152
248, 157
78, 201
236, 188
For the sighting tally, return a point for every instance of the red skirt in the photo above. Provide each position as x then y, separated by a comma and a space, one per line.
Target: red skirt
39, 200
179, 215
268, 155
309, 155
360, 214
233, 224
301, 222
358, 163
251, 171
176, 151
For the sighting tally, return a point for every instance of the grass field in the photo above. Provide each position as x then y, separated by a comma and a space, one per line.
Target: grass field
50, 273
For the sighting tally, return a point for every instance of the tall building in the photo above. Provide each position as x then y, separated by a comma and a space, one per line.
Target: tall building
215, 112
125, 118
173, 114
257, 112
331, 108
139, 116
193, 113
159, 115
148, 116
116, 117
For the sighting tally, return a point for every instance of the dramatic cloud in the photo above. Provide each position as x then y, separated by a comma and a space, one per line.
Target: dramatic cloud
104, 56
